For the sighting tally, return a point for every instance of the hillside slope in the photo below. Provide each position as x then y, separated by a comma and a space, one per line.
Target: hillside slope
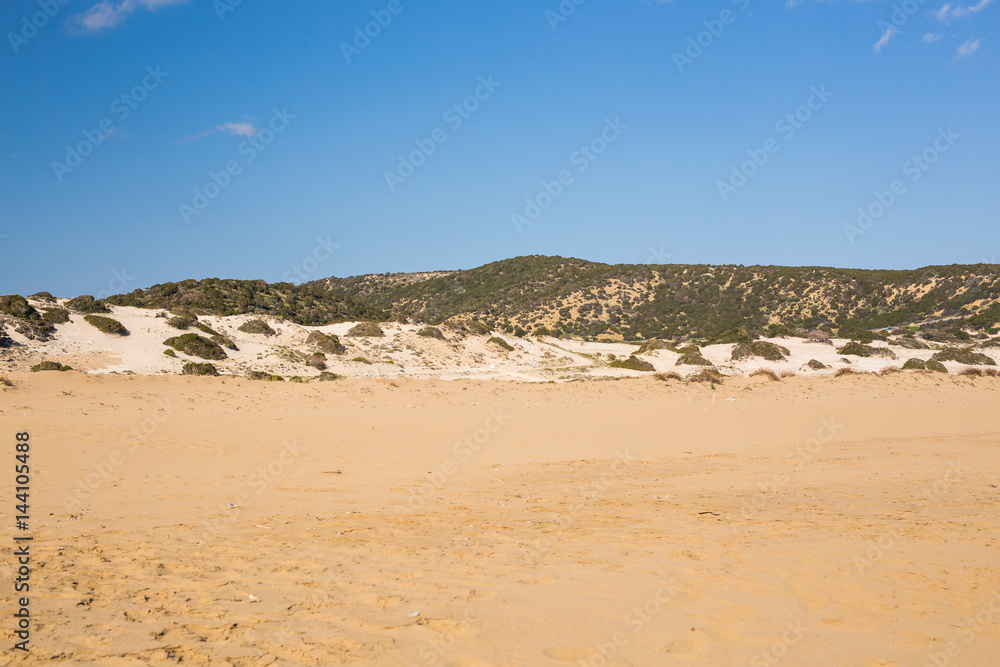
577, 297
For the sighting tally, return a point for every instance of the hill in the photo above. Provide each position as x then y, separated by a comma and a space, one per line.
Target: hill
572, 296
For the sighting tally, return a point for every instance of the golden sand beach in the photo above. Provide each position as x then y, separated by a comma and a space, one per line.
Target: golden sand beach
218, 521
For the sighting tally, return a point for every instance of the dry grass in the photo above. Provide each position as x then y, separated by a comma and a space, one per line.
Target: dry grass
708, 375
672, 375
980, 372
888, 371
6, 381
788, 374
845, 371
767, 373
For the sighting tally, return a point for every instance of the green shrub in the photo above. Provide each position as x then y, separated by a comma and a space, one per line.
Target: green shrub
87, 304
257, 327
857, 349
182, 322
49, 366
914, 364
196, 346
760, 349
478, 328
816, 365
326, 343
170, 353
327, 377
737, 335
192, 368
204, 328
226, 342
431, 332
55, 315
366, 330
106, 324
264, 376
500, 342
655, 344
361, 360
691, 356
633, 363
17, 306
43, 296
964, 356
936, 366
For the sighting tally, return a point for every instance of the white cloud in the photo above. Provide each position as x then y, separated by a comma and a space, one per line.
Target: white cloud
931, 37
949, 12
967, 49
244, 128
109, 14
885, 39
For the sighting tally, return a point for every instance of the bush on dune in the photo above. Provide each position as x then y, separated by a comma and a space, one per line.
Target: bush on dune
761, 349
366, 330
49, 366
196, 346
87, 304
259, 327
327, 343
192, 368
633, 363
964, 356
106, 324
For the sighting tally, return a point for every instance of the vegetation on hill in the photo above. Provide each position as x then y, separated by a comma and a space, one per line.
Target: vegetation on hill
106, 324
761, 349
633, 363
964, 356
575, 297
196, 346
257, 327
192, 368
87, 304
49, 366
308, 305
327, 343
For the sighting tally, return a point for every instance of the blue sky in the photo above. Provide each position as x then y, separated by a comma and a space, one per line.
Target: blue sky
144, 141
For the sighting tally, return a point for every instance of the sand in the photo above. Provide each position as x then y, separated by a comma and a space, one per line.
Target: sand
402, 353
823, 521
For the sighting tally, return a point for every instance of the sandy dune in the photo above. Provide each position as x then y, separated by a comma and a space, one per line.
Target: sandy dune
847, 521
401, 352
